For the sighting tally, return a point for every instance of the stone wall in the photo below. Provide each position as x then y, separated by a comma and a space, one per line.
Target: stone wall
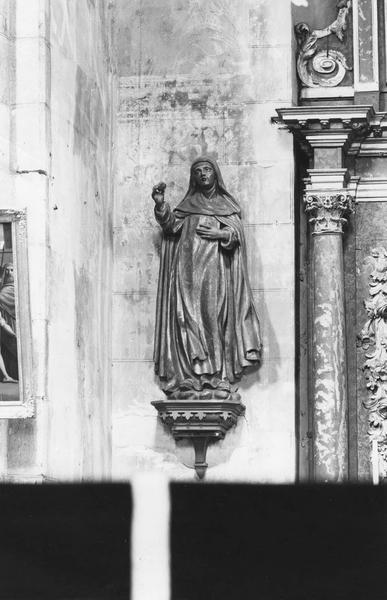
80, 240
60, 166
204, 77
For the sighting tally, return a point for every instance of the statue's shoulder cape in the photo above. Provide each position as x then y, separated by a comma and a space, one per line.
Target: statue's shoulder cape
221, 204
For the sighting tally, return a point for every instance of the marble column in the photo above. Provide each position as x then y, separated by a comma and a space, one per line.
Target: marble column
327, 134
328, 203
329, 385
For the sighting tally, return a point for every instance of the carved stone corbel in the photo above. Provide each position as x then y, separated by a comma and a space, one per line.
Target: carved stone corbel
318, 65
373, 340
201, 421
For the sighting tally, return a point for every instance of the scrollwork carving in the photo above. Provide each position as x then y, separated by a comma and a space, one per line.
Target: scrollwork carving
373, 340
328, 210
317, 66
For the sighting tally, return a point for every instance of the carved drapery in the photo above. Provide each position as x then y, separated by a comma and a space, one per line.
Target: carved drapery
207, 329
373, 339
317, 64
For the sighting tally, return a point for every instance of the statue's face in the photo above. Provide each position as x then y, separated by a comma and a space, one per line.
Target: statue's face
204, 175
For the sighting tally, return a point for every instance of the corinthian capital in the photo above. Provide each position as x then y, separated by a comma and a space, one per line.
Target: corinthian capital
328, 210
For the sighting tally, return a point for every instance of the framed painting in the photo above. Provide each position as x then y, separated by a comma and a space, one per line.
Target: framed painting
16, 399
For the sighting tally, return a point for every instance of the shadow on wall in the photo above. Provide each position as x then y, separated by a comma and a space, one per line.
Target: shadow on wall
268, 372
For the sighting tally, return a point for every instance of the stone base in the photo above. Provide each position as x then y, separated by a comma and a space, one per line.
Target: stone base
200, 420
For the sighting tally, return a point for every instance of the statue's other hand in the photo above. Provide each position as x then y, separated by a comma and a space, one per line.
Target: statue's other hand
158, 193
211, 233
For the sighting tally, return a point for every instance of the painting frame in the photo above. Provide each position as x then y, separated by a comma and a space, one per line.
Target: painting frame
25, 406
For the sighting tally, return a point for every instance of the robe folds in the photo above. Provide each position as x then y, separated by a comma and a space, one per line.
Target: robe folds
207, 329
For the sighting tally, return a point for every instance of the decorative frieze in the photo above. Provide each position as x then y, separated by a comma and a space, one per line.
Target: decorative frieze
327, 210
373, 340
318, 65
314, 116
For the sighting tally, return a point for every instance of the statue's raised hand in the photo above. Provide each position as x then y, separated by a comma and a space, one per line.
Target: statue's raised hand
158, 193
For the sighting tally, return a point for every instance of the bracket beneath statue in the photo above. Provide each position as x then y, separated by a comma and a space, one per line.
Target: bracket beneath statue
200, 421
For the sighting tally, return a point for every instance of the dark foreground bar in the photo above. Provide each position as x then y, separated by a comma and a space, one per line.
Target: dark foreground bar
65, 542
278, 542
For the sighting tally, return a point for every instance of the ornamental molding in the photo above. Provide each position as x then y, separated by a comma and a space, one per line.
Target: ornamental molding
344, 127
327, 179
358, 129
312, 115
371, 190
373, 340
328, 210
318, 65
200, 421
375, 143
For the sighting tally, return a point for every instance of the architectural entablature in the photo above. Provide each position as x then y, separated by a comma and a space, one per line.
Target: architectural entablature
343, 127
375, 143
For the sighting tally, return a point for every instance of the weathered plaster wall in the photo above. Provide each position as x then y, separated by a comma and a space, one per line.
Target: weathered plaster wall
7, 26
63, 91
24, 178
204, 76
80, 240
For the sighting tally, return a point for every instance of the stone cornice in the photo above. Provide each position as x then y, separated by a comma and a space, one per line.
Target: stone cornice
372, 190
301, 116
375, 143
359, 130
333, 138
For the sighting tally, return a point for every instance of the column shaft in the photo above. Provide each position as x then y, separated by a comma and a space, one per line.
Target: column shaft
329, 361
327, 209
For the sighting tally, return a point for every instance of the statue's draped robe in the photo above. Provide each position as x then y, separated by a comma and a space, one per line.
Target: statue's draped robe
207, 329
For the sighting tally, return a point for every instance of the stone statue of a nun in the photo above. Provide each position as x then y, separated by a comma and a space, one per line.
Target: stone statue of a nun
207, 329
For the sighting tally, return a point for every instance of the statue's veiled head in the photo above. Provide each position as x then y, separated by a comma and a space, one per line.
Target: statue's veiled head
203, 174
206, 182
